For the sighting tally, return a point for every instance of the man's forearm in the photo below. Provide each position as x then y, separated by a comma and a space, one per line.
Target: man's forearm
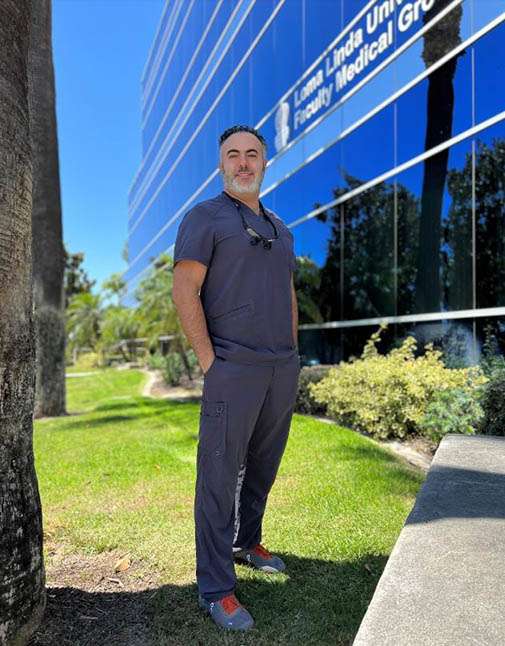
194, 325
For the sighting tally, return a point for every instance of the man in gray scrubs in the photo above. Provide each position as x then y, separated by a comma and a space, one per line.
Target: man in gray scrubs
234, 292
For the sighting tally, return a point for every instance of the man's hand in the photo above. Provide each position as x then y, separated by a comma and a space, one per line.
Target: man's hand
205, 370
188, 279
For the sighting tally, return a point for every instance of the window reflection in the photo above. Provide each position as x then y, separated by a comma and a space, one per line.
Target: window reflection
320, 346
435, 109
435, 234
318, 275
489, 74
490, 215
369, 252
454, 338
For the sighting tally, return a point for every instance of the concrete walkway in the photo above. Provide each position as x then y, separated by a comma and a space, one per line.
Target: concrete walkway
444, 583
81, 374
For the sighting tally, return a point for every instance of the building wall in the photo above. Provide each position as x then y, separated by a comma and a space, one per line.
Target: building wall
385, 124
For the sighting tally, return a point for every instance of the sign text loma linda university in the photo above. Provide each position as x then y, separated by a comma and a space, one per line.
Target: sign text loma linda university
351, 57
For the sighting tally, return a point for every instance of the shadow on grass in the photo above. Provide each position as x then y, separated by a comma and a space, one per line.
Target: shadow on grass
368, 452
125, 412
143, 404
320, 602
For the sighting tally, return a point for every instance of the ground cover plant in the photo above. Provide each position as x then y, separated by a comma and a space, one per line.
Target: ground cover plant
117, 478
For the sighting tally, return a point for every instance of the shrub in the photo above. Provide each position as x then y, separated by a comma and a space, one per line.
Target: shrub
155, 361
493, 404
454, 410
192, 359
305, 402
388, 395
491, 361
87, 361
172, 369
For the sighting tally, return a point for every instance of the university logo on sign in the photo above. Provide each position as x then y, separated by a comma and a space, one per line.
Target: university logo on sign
281, 126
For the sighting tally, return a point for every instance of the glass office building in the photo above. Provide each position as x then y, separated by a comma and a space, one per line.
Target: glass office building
385, 124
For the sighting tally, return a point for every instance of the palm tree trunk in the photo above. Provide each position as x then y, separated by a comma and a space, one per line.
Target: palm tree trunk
47, 243
22, 577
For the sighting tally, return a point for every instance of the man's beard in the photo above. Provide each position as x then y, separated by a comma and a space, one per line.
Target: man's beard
232, 182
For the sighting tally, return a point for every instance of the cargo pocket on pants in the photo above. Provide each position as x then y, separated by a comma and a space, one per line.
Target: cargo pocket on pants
212, 436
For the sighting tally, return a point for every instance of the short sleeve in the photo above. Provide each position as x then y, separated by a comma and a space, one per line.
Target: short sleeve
195, 237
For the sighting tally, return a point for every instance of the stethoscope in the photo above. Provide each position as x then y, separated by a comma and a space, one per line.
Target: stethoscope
256, 237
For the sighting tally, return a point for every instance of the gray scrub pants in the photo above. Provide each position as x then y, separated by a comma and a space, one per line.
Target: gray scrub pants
244, 424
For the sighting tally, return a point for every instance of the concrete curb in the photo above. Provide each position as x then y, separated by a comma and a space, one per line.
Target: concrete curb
443, 583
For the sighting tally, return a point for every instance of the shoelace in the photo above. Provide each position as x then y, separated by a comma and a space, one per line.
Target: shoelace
261, 551
230, 604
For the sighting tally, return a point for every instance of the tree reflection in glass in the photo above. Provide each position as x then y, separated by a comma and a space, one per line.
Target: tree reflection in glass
441, 38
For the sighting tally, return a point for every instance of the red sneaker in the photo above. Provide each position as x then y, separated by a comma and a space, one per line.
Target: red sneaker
260, 558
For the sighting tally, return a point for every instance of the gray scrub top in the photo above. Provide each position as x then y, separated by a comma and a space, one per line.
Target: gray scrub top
246, 294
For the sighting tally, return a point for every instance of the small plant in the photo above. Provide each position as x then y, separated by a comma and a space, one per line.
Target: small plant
305, 402
172, 369
454, 410
155, 361
493, 404
492, 361
192, 360
87, 361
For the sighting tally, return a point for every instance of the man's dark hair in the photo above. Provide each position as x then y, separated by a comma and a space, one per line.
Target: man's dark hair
231, 131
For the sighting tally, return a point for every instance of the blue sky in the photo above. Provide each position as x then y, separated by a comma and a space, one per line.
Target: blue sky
100, 48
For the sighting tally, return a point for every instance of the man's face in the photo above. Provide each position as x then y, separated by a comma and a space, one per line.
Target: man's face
242, 163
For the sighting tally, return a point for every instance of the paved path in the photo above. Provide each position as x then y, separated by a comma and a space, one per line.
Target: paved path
81, 374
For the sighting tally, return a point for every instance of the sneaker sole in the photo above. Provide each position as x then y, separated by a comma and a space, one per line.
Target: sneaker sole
269, 569
264, 568
232, 628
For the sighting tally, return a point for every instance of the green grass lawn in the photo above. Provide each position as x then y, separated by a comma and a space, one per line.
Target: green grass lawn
119, 473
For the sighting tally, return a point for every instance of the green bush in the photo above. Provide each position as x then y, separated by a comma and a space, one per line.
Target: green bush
171, 365
172, 369
155, 361
492, 361
454, 410
192, 360
305, 402
493, 404
388, 395
87, 361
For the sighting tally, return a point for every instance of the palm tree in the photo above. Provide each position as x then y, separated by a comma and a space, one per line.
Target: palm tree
22, 576
157, 311
84, 314
119, 328
114, 287
47, 243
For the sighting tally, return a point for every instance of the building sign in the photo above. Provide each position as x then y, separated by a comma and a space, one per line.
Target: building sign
369, 41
